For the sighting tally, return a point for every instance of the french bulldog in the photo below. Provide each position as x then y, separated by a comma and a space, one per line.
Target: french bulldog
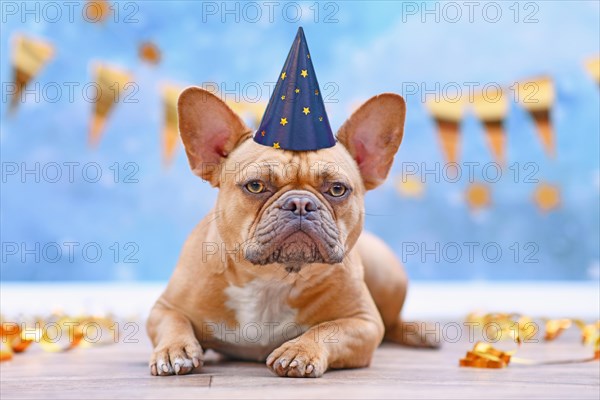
280, 270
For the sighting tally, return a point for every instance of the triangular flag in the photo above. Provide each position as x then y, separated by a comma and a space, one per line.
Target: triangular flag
491, 108
448, 116
170, 136
29, 57
537, 97
111, 84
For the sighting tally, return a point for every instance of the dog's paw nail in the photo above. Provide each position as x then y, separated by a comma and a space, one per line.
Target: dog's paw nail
153, 371
177, 368
283, 363
165, 368
309, 368
294, 364
196, 362
270, 360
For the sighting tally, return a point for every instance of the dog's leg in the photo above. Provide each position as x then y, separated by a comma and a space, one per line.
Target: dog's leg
176, 349
340, 343
387, 282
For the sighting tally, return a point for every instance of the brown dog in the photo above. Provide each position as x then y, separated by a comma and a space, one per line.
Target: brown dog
279, 270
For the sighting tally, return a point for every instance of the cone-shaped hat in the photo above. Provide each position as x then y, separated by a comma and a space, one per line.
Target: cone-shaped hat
295, 118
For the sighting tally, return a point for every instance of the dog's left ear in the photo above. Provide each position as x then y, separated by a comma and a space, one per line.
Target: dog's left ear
373, 134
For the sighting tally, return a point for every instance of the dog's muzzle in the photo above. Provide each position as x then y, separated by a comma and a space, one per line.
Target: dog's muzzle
296, 229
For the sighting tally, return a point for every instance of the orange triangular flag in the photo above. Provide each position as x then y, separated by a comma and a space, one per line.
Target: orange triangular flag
29, 57
491, 108
111, 84
537, 97
448, 116
170, 135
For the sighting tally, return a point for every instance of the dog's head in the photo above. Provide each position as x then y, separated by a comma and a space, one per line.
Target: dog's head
289, 208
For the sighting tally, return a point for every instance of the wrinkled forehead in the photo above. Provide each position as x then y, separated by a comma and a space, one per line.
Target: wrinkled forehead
279, 167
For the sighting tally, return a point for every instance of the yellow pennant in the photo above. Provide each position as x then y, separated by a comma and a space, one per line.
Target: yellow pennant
537, 97
593, 67
29, 57
491, 108
110, 84
447, 116
170, 136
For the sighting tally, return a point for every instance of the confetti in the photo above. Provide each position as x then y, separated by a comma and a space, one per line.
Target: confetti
149, 52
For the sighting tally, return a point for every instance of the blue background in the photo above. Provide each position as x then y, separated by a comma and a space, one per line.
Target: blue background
373, 47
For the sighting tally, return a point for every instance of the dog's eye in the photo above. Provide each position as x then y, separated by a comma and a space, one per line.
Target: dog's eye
337, 190
255, 187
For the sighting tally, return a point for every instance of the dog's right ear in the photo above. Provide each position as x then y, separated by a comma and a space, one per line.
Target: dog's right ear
210, 130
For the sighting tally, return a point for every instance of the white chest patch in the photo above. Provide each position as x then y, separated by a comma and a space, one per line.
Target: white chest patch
263, 314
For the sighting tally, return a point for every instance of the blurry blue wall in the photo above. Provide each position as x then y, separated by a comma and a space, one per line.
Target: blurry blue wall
373, 47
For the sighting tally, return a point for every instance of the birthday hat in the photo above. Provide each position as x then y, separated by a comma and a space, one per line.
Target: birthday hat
295, 118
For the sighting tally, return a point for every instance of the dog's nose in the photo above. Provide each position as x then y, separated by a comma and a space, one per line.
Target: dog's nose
299, 205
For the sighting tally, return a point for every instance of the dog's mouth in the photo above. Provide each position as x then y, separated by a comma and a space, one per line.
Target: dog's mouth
295, 242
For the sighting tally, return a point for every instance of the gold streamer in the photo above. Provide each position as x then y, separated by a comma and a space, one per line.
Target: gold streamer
484, 355
56, 333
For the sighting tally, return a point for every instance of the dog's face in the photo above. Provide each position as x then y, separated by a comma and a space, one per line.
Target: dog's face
289, 208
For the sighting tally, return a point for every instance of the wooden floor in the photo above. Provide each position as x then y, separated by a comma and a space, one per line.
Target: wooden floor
120, 371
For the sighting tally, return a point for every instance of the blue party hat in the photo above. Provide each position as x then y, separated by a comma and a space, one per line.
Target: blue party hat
295, 118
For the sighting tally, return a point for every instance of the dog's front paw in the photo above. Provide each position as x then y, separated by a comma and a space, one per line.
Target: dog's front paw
298, 360
176, 358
